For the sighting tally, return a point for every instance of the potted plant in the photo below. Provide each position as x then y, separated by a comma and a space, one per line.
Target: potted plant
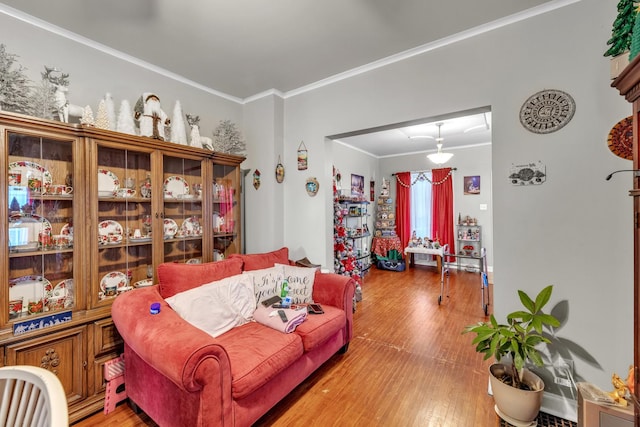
516, 390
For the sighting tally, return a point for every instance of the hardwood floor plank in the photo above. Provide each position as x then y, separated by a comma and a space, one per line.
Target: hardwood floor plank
407, 365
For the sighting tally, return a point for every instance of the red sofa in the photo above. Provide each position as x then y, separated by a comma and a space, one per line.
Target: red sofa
181, 376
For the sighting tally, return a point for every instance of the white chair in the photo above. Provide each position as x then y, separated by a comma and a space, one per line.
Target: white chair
32, 396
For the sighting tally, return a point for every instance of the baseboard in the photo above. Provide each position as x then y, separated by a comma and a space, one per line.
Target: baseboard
560, 406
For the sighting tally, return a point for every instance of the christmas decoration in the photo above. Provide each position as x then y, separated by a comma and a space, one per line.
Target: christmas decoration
41, 100
621, 33
151, 117
14, 84
87, 117
111, 111
102, 117
178, 131
228, 139
196, 139
61, 84
125, 122
635, 38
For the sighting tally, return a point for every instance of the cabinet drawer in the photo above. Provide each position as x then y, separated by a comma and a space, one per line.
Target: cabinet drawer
62, 353
106, 338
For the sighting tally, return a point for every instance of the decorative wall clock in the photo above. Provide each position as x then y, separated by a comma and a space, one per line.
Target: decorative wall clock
547, 111
620, 140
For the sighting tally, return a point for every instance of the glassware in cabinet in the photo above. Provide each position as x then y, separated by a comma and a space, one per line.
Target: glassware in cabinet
226, 211
124, 215
182, 209
40, 215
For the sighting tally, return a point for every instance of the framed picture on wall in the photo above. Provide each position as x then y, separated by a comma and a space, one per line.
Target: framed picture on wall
357, 186
472, 184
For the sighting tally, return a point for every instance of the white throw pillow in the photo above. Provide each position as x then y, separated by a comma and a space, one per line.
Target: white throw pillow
218, 306
266, 282
300, 282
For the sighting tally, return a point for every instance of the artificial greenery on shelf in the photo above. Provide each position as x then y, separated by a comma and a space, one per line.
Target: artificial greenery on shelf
621, 33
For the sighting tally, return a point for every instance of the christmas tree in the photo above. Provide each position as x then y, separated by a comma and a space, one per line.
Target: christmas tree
14, 84
621, 34
635, 39
102, 117
178, 129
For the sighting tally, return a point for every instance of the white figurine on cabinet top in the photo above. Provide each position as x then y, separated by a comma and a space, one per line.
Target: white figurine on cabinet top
198, 140
61, 85
151, 116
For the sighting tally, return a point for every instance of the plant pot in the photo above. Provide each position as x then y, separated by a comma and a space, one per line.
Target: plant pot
517, 407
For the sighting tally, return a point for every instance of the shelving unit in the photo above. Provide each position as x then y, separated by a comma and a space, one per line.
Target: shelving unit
89, 214
352, 245
469, 244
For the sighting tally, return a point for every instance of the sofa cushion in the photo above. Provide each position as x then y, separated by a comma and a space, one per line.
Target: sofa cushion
218, 306
266, 282
319, 327
257, 354
178, 277
263, 260
300, 281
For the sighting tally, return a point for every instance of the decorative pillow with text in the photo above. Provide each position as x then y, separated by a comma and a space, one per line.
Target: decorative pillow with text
300, 282
266, 282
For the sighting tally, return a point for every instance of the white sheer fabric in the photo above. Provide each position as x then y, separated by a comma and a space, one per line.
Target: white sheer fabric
421, 204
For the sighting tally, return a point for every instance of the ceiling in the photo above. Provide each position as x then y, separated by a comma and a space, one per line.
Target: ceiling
244, 48
458, 130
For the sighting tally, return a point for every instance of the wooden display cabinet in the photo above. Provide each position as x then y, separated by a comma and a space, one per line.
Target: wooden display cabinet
628, 83
88, 214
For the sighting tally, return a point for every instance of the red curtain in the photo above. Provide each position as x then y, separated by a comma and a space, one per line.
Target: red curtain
403, 207
442, 207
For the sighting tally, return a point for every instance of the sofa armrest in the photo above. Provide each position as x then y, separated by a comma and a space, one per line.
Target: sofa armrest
336, 290
168, 343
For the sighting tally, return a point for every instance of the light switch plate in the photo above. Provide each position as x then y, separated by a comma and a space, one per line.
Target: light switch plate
483, 206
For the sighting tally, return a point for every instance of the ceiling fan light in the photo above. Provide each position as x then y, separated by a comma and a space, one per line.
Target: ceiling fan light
440, 158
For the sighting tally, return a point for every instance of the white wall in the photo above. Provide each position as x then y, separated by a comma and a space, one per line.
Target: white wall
93, 73
575, 230
264, 207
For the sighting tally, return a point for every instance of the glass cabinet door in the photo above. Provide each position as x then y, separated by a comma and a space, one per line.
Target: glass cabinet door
123, 237
226, 211
40, 203
182, 219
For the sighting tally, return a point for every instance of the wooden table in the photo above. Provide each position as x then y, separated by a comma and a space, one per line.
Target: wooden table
442, 252
439, 253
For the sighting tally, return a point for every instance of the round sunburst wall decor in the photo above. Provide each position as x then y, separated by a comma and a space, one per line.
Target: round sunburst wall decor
547, 111
620, 140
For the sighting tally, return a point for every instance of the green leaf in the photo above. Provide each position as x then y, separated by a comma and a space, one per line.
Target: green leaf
543, 297
548, 319
526, 301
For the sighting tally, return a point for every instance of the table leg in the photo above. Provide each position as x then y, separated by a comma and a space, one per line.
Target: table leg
412, 261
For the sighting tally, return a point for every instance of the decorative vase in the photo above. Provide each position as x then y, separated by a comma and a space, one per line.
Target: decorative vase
518, 407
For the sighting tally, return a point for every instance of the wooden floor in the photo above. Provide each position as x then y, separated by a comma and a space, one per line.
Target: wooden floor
408, 363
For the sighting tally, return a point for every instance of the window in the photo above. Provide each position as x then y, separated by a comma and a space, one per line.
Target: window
421, 204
